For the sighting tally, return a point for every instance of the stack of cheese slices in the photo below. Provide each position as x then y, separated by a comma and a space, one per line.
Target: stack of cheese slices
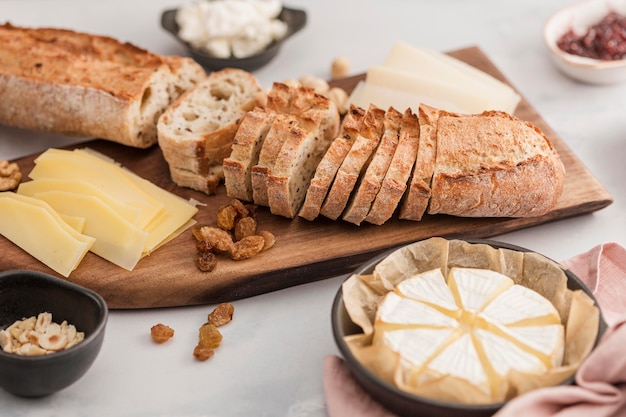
290, 158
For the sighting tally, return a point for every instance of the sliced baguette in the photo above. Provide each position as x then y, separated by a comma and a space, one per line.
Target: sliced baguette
245, 153
81, 84
259, 174
289, 178
302, 151
197, 131
415, 201
370, 183
330, 163
202, 123
494, 165
355, 163
279, 98
400, 168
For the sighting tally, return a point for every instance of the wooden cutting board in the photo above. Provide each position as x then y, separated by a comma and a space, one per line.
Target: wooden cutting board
304, 251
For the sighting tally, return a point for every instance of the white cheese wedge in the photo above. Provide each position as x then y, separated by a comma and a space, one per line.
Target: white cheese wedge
474, 328
39, 230
411, 75
436, 65
117, 240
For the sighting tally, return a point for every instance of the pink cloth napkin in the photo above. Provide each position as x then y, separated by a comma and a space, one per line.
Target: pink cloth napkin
600, 389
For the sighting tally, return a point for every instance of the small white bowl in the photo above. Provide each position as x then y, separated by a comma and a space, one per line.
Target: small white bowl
579, 17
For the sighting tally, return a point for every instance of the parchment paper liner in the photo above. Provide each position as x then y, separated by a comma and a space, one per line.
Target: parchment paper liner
363, 293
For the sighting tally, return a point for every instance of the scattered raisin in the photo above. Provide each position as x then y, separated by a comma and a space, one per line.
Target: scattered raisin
221, 315
226, 216
202, 353
220, 239
247, 247
242, 209
245, 227
269, 238
161, 333
206, 261
204, 245
209, 336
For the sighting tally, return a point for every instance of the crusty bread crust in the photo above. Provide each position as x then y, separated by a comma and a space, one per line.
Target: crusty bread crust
415, 201
245, 153
80, 84
494, 165
272, 144
355, 163
330, 163
397, 176
370, 183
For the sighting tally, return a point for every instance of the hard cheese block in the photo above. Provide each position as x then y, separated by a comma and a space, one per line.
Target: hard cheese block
477, 329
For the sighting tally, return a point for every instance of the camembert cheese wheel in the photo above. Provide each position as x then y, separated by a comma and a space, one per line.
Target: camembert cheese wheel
478, 329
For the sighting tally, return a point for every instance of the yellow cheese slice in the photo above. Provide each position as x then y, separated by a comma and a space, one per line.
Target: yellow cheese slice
473, 328
63, 164
117, 240
36, 228
77, 223
175, 216
80, 186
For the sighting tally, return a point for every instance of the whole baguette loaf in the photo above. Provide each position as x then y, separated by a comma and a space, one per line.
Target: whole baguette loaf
73, 83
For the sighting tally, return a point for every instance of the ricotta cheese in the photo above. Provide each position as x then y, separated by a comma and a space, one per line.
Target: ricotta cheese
477, 327
231, 28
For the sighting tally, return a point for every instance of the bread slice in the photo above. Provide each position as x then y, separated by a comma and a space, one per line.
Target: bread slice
494, 165
289, 178
302, 151
80, 84
371, 181
355, 163
400, 168
207, 183
415, 201
279, 98
259, 174
315, 113
202, 123
245, 153
330, 163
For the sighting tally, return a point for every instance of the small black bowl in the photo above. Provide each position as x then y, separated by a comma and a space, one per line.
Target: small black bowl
25, 294
295, 20
406, 404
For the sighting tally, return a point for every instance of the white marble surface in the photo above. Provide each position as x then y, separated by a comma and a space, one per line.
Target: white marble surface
270, 363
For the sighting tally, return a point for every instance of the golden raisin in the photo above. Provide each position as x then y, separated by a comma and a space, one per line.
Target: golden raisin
222, 314
204, 245
269, 238
206, 261
247, 247
202, 353
242, 209
226, 216
245, 227
161, 333
209, 336
220, 239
